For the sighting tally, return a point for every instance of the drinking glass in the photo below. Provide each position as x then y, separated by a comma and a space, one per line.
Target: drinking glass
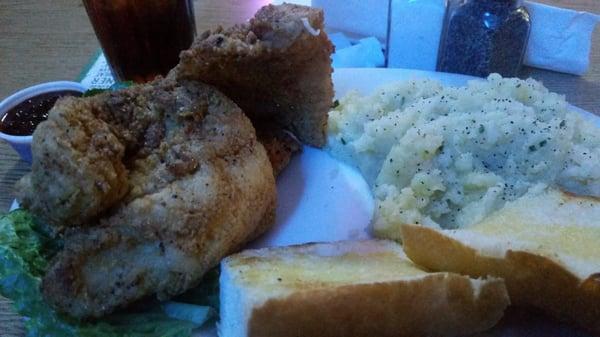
142, 38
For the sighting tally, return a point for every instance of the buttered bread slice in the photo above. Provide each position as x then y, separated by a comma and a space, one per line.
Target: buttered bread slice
361, 288
545, 245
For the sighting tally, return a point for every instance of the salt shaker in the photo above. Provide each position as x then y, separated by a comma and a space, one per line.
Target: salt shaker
484, 36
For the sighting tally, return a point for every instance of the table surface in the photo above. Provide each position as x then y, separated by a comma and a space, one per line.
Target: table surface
52, 39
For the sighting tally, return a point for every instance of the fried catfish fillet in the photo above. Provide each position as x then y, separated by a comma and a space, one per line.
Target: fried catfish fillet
276, 67
156, 183
279, 144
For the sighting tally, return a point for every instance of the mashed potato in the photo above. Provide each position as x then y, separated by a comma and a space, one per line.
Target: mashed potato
447, 156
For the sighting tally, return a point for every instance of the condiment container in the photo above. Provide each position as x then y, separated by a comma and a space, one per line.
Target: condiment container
484, 36
22, 143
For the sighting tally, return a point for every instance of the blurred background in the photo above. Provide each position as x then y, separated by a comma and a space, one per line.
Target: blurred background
60, 42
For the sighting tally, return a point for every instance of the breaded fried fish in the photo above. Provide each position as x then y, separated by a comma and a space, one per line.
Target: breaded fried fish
154, 183
276, 67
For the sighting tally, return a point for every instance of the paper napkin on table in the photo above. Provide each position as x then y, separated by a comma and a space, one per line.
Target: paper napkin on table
366, 53
560, 39
361, 17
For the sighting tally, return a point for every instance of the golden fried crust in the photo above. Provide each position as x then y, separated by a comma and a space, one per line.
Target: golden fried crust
532, 280
446, 306
273, 67
77, 168
199, 188
83, 153
280, 145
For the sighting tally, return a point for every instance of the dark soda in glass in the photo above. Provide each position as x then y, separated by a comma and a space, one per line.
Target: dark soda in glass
142, 38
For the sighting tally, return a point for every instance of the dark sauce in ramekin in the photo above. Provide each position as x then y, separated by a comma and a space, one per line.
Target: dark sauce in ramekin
25, 117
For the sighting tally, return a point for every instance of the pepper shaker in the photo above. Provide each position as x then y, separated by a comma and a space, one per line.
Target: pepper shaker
481, 37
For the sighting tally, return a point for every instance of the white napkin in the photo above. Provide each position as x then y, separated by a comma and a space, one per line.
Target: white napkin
367, 53
361, 17
340, 41
560, 39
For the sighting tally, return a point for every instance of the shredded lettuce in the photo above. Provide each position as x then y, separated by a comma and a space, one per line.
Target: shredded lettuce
25, 250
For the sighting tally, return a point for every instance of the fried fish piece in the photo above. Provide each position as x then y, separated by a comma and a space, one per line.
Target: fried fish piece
280, 145
160, 180
276, 67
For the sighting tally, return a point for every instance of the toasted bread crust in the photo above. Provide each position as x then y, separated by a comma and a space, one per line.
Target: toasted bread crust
400, 308
532, 280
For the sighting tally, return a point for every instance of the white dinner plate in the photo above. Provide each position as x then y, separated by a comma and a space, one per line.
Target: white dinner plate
321, 199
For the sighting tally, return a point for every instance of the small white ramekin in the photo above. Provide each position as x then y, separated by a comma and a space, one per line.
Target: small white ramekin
22, 144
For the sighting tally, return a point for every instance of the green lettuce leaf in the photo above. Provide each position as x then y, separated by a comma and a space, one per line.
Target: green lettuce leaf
25, 250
